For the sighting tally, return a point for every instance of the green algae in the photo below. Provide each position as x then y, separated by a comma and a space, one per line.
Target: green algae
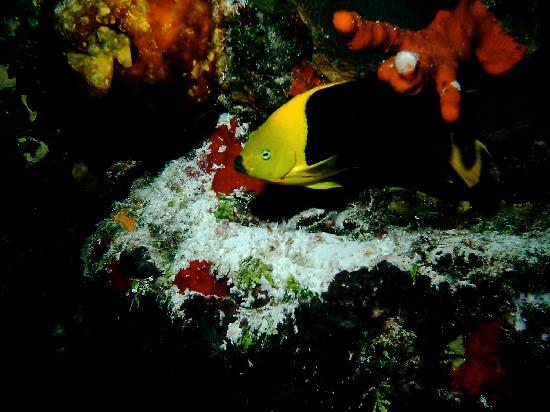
225, 209
5, 81
11, 24
33, 150
250, 340
251, 272
274, 6
32, 114
140, 288
295, 289
455, 352
381, 404
384, 360
515, 218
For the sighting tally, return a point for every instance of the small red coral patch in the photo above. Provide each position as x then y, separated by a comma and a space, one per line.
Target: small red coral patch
304, 77
224, 148
482, 371
118, 280
197, 277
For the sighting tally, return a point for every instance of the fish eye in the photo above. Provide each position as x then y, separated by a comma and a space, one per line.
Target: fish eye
266, 154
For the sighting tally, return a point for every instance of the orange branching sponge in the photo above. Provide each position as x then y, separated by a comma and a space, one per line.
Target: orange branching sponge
172, 39
198, 278
304, 77
431, 55
224, 148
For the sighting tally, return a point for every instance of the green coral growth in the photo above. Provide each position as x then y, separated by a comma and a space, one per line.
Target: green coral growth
5, 81
516, 218
225, 209
32, 114
140, 288
11, 25
415, 271
274, 6
380, 403
251, 273
386, 360
33, 150
293, 288
249, 340
455, 352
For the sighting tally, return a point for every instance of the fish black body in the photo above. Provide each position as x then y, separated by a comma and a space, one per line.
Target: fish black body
380, 136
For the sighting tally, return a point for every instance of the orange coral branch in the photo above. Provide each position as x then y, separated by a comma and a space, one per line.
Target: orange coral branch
431, 55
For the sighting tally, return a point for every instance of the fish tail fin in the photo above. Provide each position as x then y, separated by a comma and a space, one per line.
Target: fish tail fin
470, 175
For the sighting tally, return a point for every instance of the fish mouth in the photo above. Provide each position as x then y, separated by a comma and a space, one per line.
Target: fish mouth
238, 165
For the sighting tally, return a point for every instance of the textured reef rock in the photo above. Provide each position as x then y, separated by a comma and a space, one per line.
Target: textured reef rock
172, 41
382, 299
352, 305
263, 51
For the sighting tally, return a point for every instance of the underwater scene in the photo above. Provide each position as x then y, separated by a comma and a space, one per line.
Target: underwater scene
275, 205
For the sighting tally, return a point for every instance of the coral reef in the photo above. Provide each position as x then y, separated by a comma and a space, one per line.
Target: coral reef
271, 298
262, 50
175, 41
346, 308
432, 55
273, 269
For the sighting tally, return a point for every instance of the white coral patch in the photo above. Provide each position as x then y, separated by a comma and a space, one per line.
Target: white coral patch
406, 61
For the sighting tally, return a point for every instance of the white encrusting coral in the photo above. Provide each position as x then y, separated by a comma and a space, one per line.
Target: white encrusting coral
406, 62
176, 223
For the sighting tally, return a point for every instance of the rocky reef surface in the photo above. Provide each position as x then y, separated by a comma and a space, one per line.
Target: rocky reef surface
201, 283
400, 301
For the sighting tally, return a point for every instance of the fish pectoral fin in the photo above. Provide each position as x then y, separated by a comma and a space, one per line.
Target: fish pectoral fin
324, 168
314, 176
470, 175
324, 185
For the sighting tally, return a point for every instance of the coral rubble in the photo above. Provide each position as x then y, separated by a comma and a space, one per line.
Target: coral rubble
432, 55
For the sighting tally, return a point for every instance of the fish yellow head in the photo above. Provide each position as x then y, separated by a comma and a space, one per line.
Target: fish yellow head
275, 152
267, 155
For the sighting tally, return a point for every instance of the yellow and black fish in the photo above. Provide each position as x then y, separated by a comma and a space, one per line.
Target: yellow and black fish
358, 126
